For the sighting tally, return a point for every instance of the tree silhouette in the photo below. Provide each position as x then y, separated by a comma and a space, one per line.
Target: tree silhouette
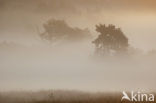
60, 30
111, 40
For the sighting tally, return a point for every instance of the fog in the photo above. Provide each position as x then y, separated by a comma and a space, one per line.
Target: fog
27, 62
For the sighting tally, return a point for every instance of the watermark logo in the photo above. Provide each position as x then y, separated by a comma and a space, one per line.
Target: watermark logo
137, 96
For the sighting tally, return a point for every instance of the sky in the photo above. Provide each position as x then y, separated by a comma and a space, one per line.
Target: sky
20, 18
67, 67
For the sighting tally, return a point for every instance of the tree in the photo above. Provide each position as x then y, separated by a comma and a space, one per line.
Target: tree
111, 40
60, 30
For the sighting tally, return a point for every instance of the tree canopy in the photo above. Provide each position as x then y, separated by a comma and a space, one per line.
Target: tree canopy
60, 30
111, 40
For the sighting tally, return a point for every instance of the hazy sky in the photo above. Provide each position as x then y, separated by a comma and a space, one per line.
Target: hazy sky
19, 18
32, 67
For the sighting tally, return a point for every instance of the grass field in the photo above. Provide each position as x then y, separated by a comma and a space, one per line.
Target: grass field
62, 96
